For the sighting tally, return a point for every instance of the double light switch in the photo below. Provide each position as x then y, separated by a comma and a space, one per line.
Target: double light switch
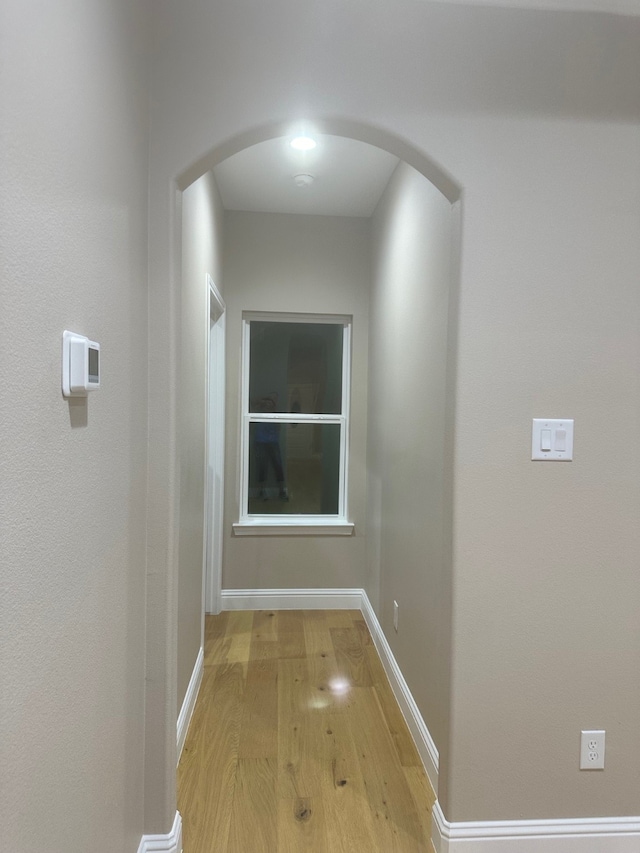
552, 439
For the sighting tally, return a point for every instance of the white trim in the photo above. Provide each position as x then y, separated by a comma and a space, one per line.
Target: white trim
288, 418
291, 599
216, 296
244, 420
189, 703
297, 317
169, 843
419, 732
247, 417
343, 498
577, 835
264, 527
214, 451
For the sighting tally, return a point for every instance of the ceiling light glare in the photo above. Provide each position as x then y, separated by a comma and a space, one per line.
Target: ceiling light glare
303, 143
339, 686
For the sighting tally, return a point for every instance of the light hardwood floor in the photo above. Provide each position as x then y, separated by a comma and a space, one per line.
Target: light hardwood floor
297, 744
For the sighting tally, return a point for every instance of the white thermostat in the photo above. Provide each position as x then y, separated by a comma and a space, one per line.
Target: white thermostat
80, 365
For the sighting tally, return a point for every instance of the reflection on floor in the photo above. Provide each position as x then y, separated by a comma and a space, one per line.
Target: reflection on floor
297, 744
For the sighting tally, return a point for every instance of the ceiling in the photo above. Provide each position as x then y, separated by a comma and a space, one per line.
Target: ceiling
349, 177
614, 7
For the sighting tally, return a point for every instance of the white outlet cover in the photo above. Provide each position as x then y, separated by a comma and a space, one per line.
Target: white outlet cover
555, 435
592, 749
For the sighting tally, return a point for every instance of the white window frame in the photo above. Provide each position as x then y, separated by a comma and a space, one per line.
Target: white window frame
293, 523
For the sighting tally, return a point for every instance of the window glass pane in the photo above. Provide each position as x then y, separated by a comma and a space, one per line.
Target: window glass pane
294, 468
295, 367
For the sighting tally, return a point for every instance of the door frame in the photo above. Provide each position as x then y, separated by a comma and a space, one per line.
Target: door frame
214, 453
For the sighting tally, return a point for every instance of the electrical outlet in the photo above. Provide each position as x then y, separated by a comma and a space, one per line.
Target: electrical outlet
395, 615
592, 750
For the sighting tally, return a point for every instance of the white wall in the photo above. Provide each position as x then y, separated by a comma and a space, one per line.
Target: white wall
307, 264
536, 116
202, 222
73, 95
409, 512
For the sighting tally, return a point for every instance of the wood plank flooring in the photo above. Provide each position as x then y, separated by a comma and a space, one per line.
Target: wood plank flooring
297, 744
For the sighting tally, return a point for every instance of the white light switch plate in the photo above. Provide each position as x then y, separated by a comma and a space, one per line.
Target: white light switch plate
555, 434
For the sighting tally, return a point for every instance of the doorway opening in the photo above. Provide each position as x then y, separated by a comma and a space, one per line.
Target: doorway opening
383, 255
214, 497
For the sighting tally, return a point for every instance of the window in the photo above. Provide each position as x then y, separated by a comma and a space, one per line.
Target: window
295, 401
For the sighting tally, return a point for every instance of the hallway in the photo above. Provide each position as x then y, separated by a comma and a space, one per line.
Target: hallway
297, 743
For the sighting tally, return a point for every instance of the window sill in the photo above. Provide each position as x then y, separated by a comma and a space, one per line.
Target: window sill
293, 528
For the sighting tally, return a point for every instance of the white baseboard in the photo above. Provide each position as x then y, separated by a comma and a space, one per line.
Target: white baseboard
291, 599
169, 843
189, 702
588, 835
420, 733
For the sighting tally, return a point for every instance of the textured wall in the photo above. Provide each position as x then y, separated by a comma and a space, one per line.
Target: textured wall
546, 638
536, 115
202, 220
314, 264
408, 512
72, 506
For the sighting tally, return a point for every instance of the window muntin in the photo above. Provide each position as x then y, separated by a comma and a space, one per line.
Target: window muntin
295, 418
